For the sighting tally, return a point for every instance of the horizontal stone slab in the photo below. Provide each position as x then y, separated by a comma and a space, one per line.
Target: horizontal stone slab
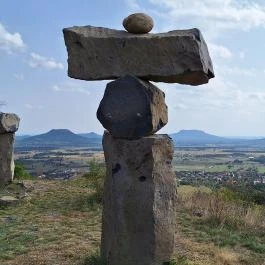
179, 56
9, 122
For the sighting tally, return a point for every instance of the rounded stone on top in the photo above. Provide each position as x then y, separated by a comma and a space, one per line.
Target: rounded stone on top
138, 23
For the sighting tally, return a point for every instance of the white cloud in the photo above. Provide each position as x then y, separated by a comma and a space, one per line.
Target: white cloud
28, 106
56, 88
70, 87
219, 51
19, 76
10, 42
181, 106
242, 55
235, 70
220, 95
31, 107
38, 61
79, 86
133, 4
213, 15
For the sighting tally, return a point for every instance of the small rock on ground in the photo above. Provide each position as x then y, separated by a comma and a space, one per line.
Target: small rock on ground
8, 201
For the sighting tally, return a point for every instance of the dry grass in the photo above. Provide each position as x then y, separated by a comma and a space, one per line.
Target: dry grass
218, 206
207, 253
212, 230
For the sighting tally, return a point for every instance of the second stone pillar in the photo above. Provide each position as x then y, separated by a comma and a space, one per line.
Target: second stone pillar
9, 124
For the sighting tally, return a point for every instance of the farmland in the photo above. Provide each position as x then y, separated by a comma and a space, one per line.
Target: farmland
211, 162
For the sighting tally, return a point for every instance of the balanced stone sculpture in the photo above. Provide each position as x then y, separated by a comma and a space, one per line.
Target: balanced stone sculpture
9, 124
138, 222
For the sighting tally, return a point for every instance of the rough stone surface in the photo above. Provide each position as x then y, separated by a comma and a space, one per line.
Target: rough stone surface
138, 23
132, 108
6, 157
9, 122
8, 201
179, 56
139, 201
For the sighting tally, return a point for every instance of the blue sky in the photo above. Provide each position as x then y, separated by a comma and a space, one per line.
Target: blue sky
33, 63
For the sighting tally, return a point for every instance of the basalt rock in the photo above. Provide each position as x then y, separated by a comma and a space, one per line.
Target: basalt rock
6, 157
132, 108
9, 122
138, 23
179, 56
139, 201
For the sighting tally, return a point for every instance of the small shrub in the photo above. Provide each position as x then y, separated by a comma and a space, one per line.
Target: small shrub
20, 172
93, 259
95, 177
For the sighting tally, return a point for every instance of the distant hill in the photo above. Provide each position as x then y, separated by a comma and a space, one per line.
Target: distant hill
197, 137
245, 137
257, 142
91, 135
201, 138
66, 138
56, 137
21, 137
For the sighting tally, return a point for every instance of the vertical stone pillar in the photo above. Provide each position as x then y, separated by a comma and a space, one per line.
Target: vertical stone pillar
139, 201
9, 124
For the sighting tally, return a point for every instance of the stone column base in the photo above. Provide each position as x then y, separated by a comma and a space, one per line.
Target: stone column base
139, 201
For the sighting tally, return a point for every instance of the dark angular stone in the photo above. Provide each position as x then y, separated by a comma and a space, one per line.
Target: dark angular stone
132, 108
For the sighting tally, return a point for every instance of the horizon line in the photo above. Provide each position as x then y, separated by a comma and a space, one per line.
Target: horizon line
101, 133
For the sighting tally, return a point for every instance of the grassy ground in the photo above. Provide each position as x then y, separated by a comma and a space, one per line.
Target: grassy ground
60, 224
